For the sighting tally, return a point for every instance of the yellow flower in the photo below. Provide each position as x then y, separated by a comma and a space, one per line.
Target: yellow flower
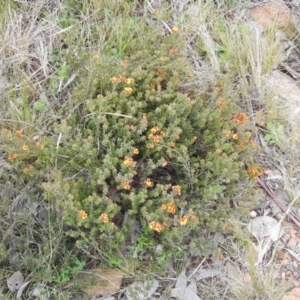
12, 156
172, 144
177, 189
170, 207
114, 80
129, 80
174, 51
151, 146
177, 137
19, 133
154, 129
218, 151
159, 71
104, 218
194, 138
156, 139
175, 30
255, 172
126, 184
148, 182
128, 161
162, 133
156, 226
221, 103
96, 56
235, 137
136, 151
83, 214
239, 118
25, 148
183, 220
128, 90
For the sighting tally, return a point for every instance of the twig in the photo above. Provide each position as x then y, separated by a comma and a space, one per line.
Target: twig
201, 263
285, 209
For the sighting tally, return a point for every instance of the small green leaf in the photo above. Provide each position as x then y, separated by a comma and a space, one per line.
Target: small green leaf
271, 126
40, 105
63, 72
269, 137
280, 129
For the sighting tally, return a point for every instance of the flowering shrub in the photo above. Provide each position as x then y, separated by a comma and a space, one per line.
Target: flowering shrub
141, 146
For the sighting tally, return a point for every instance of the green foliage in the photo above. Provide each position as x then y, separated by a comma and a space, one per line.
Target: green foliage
276, 132
66, 273
144, 144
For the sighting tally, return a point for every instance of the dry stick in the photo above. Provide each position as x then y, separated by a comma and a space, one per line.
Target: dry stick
278, 202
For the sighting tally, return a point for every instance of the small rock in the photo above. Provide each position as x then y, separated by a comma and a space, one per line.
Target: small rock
15, 281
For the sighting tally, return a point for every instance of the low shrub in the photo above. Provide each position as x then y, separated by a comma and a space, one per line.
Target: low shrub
144, 148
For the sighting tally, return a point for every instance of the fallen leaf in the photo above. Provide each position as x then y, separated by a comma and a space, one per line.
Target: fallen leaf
274, 13
193, 286
182, 290
265, 226
142, 290
181, 280
184, 294
100, 282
